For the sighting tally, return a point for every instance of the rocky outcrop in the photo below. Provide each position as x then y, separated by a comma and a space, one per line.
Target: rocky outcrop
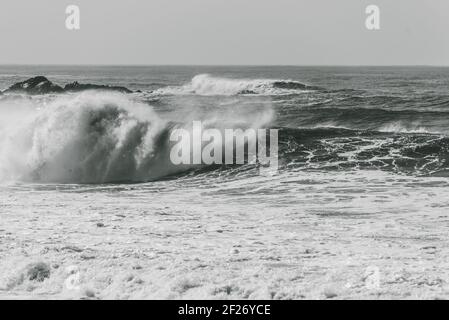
41, 85
36, 85
76, 87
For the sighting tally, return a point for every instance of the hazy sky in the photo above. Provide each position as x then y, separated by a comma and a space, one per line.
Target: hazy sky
300, 32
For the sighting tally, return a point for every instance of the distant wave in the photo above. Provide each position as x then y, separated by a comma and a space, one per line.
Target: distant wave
207, 85
375, 119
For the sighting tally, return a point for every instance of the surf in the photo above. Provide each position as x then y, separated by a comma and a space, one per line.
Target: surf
94, 137
90, 137
207, 85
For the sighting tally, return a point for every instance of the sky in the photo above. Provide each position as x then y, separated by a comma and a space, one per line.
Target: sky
225, 32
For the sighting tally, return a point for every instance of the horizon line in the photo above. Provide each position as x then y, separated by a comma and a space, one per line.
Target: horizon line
218, 65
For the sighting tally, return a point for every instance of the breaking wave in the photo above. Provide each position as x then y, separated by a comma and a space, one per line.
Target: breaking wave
207, 85
86, 138
105, 137
91, 137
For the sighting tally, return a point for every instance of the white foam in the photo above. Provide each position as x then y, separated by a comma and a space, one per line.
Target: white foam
94, 137
88, 137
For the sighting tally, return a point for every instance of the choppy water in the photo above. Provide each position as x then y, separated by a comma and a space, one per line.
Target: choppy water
333, 122
86, 184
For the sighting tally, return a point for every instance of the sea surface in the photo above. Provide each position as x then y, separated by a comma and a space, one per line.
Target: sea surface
363, 158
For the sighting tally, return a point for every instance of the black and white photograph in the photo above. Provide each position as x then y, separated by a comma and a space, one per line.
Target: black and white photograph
238, 150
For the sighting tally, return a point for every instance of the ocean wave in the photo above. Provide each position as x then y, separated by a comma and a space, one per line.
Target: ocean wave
207, 85
85, 138
105, 137
93, 137
374, 119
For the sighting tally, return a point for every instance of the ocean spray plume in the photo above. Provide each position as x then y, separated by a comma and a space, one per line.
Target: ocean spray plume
95, 137
85, 138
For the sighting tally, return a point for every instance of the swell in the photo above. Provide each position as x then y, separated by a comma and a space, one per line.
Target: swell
376, 119
359, 98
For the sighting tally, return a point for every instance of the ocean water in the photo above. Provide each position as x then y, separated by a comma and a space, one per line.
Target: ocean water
363, 166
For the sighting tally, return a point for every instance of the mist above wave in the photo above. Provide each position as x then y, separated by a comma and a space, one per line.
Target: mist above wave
89, 137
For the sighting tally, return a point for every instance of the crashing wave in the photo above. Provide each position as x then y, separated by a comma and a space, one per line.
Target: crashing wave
87, 138
92, 137
207, 85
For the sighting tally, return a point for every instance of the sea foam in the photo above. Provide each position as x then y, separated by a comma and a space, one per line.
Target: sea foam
88, 137
94, 137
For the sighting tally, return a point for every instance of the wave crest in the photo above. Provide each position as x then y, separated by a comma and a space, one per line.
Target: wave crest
87, 138
96, 137
205, 84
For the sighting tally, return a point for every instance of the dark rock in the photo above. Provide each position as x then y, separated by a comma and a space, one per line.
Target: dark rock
38, 272
41, 85
36, 85
76, 86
